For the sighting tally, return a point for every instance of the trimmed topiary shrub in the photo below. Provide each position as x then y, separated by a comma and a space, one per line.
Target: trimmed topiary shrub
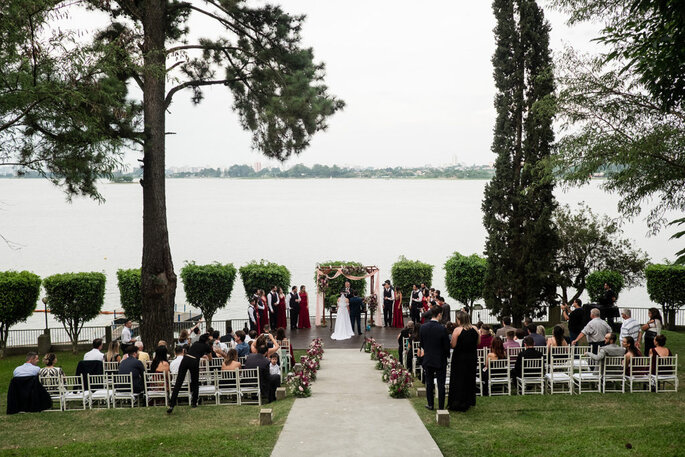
666, 286
129, 293
464, 278
264, 275
595, 283
337, 284
406, 272
208, 287
74, 299
19, 291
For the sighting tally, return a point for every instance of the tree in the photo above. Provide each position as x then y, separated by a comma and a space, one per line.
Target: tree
518, 201
129, 293
464, 278
589, 243
277, 88
406, 272
208, 287
264, 275
666, 286
74, 299
18, 296
595, 283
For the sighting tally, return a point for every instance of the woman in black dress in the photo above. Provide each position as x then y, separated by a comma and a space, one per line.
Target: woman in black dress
464, 340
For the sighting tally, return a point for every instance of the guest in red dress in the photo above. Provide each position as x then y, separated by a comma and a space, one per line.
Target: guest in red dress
304, 310
282, 320
397, 318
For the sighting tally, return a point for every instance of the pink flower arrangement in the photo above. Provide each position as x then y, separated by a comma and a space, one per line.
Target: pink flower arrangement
398, 378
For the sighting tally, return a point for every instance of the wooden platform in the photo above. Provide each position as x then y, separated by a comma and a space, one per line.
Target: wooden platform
387, 336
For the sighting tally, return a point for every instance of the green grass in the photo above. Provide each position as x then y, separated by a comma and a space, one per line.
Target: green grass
568, 425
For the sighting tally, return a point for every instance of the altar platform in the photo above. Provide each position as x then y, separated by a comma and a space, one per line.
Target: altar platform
386, 336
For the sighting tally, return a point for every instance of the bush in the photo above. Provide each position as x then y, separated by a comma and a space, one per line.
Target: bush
129, 293
19, 293
208, 287
595, 283
74, 299
264, 275
407, 272
666, 286
337, 284
464, 278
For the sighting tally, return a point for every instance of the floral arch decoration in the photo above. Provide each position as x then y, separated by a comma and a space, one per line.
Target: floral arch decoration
324, 273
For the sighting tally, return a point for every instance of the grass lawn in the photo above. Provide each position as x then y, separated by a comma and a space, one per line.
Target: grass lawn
568, 425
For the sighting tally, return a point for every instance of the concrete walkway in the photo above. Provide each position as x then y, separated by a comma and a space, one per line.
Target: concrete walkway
350, 413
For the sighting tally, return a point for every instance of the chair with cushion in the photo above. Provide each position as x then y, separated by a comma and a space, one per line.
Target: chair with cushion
613, 373
73, 392
249, 387
638, 373
532, 375
53, 386
499, 374
227, 387
560, 370
512, 356
122, 389
99, 390
185, 387
208, 385
156, 386
665, 373
111, 367
588, 378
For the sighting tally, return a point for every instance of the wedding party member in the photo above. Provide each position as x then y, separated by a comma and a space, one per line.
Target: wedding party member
264, 309
397, 317
282, 320
304, 309
651, 329
465, 339
415, 304
191, 363
405, 333
424, 304
272, 304
252, 315
294, 306
343, 326
388, 303
436, 350
356, 305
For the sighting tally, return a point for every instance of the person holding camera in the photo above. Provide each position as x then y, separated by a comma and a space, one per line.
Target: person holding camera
574, 316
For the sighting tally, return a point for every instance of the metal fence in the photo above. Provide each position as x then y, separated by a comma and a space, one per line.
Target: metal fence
58, 335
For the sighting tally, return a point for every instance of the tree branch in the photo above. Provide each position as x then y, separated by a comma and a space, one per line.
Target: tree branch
199, 46
196, 83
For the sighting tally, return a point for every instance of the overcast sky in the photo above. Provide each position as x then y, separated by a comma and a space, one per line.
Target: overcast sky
416, 78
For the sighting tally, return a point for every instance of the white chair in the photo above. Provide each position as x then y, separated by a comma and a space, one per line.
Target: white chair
53, 386
405, 347
512, 355
578, 352
156, 386
122, 388
416, 368
227, 387
588, 377
499, 375
242, 360
249, 387
99, 390
185, 386
73, 392
665, 372
111, 367
207, 386
482, 355
542, 350
532, 375
637, 372
560, 370
215, 363
613, 372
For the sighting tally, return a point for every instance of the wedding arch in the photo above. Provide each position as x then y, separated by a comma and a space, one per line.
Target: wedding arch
325, 273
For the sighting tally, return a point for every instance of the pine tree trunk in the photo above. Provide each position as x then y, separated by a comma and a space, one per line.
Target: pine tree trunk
158, 280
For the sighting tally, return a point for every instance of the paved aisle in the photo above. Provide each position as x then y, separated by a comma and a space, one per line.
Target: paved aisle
350, 413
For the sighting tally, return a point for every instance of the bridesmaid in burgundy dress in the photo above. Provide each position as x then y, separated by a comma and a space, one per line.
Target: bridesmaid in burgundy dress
282, 319
265, 311
424, 302
304, 310
397, 318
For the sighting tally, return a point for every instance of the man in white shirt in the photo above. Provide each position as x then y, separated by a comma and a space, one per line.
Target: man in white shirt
30, 368
95, 354
630, 326
173, 366
126, 339
595, 330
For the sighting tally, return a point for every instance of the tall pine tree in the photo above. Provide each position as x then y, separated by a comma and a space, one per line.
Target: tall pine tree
519, 202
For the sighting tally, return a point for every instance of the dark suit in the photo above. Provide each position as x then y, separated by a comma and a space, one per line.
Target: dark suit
436, 349
356, 304
137, 369
294, 310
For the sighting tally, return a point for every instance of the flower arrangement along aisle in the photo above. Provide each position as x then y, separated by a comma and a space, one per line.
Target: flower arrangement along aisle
398, 377
299, 380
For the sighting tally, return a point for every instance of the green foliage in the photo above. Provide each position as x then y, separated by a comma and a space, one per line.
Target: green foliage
19, 292
129, 293
74, 299
590, 242
666, 286
336, 285
519, 201
264, 275
595, 283
208, 287
464, 278
405, 273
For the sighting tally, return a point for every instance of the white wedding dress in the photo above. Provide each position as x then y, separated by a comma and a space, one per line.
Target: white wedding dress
343, 326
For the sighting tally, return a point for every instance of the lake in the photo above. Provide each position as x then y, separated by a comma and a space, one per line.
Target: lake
296, 223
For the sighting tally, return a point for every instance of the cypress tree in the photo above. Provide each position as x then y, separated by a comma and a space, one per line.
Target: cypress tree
519, 202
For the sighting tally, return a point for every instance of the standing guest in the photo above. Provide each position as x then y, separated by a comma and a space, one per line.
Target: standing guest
629, 327
173, 366
528, 353
252, 315
268, 382
404, 333
538, 339
651, 329
29, 368
294, 307
397, 317
446, 310
191, 363
160, 364
183, 338
425, 292
464, 341
112, 354
388, 303
594, 331
231, 361
485, 336
195, 334
95, 354
304, 309
557, 339
126, 336
241, 346
144, 357
133, 366
272, 306
511, 342
282, 320
506, 326
575, 318
50, 369
415, 304
436, 350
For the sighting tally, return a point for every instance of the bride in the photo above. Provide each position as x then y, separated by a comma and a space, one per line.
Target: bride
343, 326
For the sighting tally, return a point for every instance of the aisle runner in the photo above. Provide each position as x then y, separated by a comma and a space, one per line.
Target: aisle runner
350, 413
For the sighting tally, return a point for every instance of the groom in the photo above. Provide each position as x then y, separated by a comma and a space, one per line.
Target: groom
356, 304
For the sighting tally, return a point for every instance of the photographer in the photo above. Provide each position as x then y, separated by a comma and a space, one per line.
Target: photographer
574, 316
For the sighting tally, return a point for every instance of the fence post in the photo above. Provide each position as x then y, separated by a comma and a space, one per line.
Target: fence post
44, 343
108, 334
229, 324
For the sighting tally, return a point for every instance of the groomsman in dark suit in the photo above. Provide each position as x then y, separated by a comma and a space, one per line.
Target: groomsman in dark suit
356, 304
415, 304
294, 305
436, 349
388, 303
272, 302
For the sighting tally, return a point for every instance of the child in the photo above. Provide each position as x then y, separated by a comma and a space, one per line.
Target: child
274, 368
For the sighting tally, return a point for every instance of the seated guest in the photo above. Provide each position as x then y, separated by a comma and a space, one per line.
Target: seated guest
610, 348
520, 335
228, 337
485, 336
50, 369
160, 364
269, 341
631, 349
497, 352
241, 345
268, 382
251, 336
231, 361
282, 340
404, 333
528, 353
541, 330
557, 338
538, 339
183, 338
511, 342
506, 327
133, 366
218, 347
173, 366
29, 368
95, 354
113, 352
659, 350
142, 356
274, 368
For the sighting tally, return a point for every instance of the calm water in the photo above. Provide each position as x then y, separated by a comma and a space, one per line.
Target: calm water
293, 222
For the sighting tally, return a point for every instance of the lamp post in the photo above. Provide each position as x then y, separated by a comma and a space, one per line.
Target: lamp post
45, 311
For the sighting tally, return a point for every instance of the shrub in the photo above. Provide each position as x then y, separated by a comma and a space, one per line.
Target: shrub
595, 283
407, 272
19, 293
208, 287
264, 275
666, 286
74, 299
464, 278
129, 293
337, 284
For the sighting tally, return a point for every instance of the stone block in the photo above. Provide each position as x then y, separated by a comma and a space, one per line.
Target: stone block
442, 416
280, 393
266, 416
421, 392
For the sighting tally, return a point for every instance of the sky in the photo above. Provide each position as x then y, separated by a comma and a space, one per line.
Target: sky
416, 78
